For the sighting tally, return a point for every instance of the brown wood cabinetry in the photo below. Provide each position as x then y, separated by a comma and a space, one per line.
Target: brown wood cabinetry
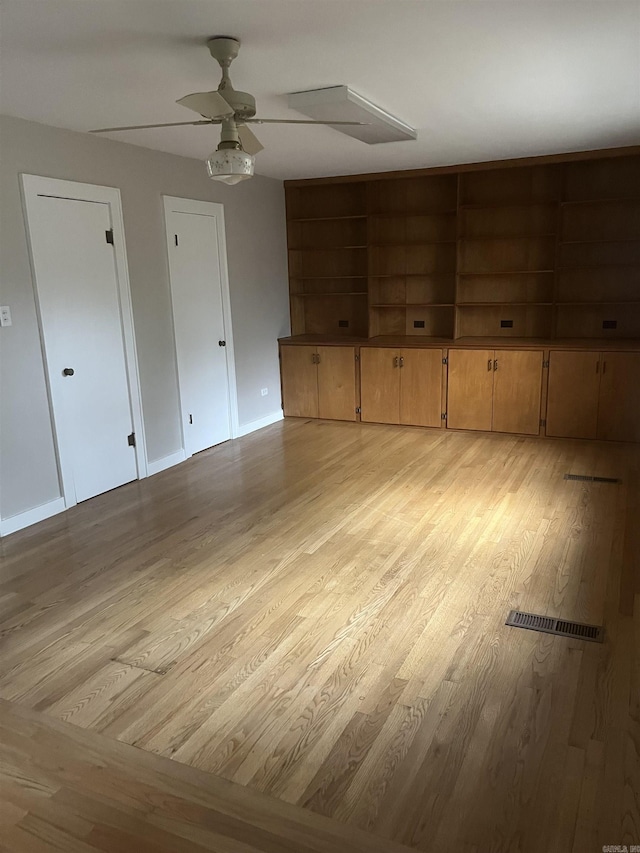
619, 399
594, 395
498, 390
421, 387
499, 263
470, 389
572, 398
299, 381
590, 393
380, 385
319, 382
517, 391
401, 386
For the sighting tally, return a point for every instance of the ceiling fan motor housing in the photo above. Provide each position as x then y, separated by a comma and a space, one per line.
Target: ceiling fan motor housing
244, 104
224, 50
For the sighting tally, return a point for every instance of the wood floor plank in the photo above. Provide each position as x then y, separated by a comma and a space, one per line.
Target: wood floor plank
314, 615
105, 795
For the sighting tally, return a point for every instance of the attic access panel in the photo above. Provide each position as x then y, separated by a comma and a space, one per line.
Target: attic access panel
340, 103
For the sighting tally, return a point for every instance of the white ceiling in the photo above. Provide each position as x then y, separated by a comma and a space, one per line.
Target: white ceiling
480, 80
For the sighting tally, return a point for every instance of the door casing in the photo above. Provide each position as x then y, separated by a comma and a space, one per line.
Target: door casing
174, 204
32, 187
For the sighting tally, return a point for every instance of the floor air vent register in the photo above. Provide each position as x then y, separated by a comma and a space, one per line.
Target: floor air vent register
587, 478
551, 625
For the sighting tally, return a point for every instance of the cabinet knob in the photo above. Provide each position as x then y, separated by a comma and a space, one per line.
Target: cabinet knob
495, 364
489, 364
395, 361
68, 371
401, 361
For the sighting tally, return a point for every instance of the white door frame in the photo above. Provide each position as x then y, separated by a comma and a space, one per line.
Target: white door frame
173, 204
32, 187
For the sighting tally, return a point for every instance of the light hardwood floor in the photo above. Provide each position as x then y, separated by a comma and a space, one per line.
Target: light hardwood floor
316, 612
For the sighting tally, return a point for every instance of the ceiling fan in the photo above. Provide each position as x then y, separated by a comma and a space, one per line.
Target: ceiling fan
233, 160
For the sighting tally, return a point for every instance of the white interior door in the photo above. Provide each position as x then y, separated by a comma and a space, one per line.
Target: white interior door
203, 348
82, 328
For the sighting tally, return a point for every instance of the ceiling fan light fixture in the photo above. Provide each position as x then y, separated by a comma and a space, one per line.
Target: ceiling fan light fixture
230, 165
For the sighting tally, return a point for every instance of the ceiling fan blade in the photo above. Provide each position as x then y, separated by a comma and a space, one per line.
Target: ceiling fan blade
298, 121
144, 126
208, 104
249, 140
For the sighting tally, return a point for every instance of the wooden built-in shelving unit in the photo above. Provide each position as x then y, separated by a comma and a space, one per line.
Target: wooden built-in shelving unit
544, 250
328, 268
412, 256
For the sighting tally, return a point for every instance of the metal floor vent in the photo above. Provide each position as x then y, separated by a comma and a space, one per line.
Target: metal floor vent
587, 478
551, 625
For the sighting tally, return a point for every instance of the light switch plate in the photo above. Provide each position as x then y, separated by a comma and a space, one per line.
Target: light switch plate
5, 315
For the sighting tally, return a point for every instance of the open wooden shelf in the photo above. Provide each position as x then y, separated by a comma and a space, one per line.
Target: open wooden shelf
601, 240
411, 274
333, 293
551, 250
415, 243
496, 303
415, 305
610, 302
612, 200
602, 267
323, 277
503, 237
508, 272
327, 218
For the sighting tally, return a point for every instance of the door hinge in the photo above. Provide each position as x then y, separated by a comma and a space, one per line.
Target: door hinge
545, 363
358, 410
175, 237
131, 439
443, 416
543, 422
445, 360
109, 236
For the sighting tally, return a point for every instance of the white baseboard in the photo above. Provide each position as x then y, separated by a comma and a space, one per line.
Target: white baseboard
39, 513
166, 462
252, 426
31, 516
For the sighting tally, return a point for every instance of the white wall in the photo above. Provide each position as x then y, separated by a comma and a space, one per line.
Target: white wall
256, 247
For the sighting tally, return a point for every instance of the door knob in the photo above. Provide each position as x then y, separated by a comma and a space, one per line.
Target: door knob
68, 371
222, 343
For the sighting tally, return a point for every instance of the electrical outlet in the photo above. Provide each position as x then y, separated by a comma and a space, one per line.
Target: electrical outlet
5, 315
264, 391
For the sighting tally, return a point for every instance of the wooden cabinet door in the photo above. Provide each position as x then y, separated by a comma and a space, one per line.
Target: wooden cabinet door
380, 385
299, 381
572, 401
337, 383
517, 389
619, 403
421, 387
470, 392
